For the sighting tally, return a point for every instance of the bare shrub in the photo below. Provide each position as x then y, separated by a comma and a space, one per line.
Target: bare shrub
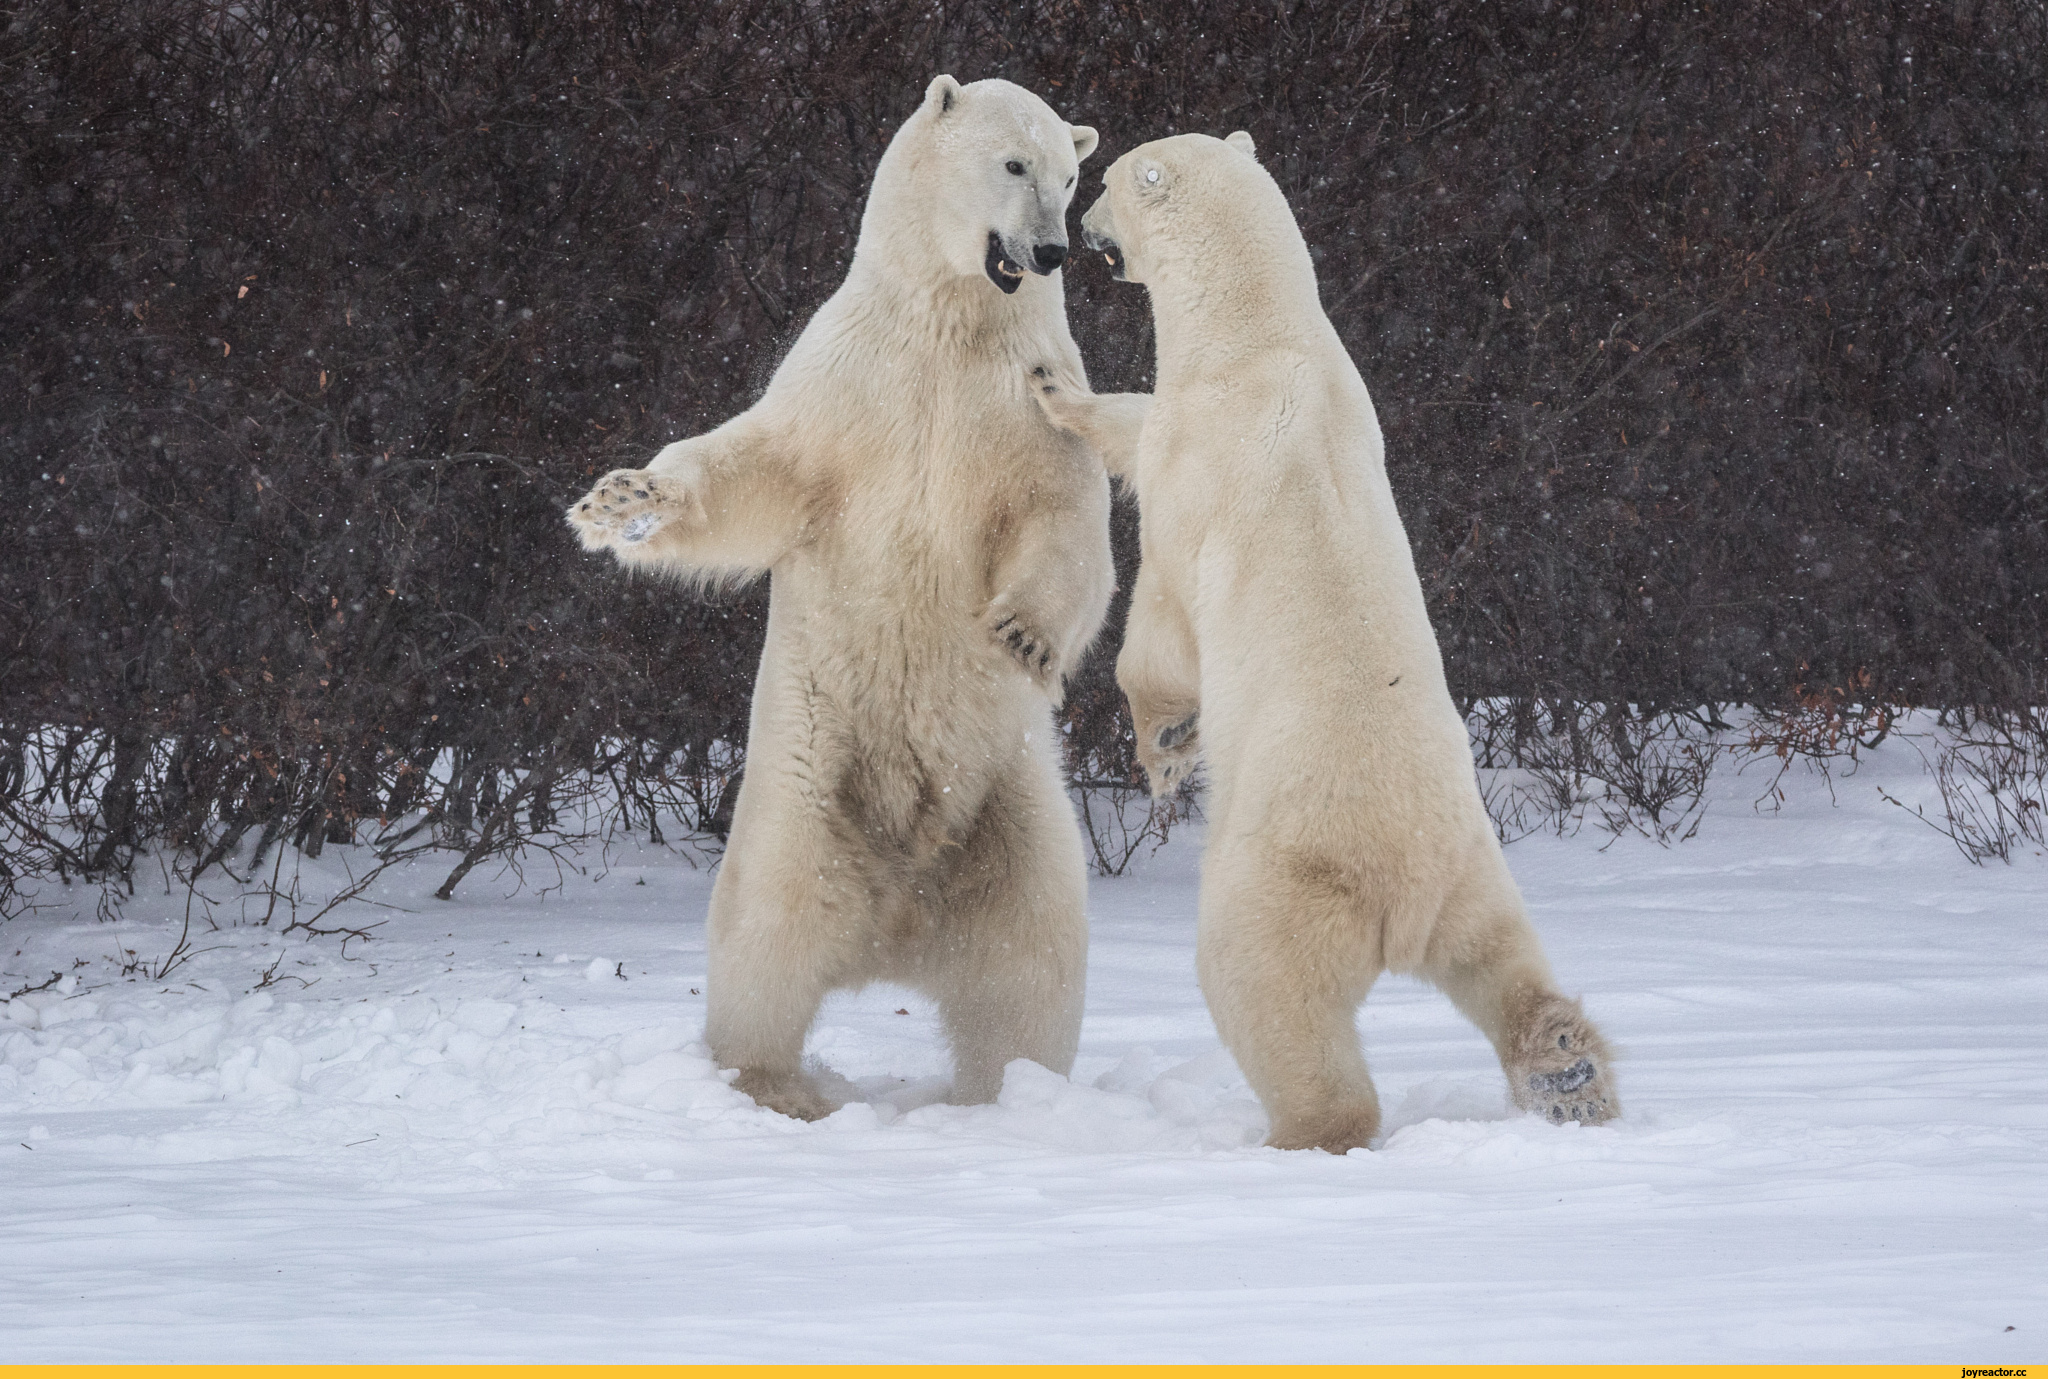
1551, 766
1656, 776
1822, 726
1122, 820
697, 787
230, 820
1991, 770
1119, 817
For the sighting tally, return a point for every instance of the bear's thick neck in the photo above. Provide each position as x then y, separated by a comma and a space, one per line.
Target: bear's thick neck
1205, 320
1229, 278
948, 311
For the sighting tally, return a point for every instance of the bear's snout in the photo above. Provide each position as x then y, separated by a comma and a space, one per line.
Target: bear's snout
1047, 257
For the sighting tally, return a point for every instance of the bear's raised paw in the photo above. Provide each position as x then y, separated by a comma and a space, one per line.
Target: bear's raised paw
628, 506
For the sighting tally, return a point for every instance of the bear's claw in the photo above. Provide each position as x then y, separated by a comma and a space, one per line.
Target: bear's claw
1055, 396
1030, 649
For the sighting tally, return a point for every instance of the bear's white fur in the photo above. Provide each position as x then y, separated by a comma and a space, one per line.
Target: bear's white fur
939, 559
1278, 630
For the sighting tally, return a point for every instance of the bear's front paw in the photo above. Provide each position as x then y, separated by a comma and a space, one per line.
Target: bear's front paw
628, 506
1062, 399
1561, 1068
1020, 637
1168, 749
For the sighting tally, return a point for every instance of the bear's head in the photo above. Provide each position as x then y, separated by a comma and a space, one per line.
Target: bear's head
995, 168
1188, 202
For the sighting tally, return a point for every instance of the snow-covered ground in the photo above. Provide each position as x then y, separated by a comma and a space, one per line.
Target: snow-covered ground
491, 1134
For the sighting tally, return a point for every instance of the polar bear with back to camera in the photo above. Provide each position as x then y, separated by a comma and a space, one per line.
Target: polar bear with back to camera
1277, 631
939, 560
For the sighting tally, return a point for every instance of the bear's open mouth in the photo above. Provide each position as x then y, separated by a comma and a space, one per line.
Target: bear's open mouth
997, 265
1112, 254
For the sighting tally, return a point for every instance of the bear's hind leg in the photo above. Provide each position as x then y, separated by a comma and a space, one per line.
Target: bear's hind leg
1006, 949
1286, 952
766, 982
1485, 955
790, 921
1558, 1065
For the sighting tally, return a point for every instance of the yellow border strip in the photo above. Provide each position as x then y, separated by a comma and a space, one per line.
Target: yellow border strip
1361, 1371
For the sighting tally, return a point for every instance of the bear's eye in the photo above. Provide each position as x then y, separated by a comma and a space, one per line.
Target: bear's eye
1070, 181
1016, 168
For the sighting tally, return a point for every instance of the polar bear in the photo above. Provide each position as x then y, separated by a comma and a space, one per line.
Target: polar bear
939, 559
1277, 631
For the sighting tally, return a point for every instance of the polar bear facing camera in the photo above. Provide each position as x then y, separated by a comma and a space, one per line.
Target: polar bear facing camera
1278, 632
939, 559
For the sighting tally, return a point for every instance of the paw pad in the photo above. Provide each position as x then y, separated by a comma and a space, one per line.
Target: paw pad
1568, 1080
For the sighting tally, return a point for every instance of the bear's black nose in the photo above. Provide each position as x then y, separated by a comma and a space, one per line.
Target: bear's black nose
1049, 256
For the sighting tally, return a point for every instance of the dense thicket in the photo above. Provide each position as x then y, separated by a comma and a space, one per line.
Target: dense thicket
1708, 341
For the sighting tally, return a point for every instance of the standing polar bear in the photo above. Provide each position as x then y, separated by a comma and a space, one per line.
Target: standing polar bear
1278, 630
939, 559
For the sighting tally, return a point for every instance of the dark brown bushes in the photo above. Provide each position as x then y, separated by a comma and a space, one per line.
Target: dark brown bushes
1708, 342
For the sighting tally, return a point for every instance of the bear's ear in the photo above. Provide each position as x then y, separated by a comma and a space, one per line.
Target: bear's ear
945, 91
1085, 140
1242, 142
